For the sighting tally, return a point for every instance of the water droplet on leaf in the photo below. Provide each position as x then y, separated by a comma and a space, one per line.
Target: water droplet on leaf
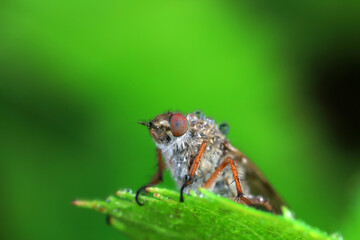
127, 190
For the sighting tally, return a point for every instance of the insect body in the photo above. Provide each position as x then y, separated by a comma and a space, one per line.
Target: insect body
198, 154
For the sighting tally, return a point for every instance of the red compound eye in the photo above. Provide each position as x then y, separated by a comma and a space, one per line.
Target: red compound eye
178, 124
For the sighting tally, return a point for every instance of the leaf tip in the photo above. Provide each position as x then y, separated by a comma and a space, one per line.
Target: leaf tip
78, 203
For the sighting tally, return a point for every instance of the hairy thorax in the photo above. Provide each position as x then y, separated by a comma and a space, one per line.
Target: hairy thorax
180, 153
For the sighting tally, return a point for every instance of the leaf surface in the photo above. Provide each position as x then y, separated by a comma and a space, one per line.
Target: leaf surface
207, 216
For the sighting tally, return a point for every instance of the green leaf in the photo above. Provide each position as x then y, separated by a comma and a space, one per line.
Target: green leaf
207, 216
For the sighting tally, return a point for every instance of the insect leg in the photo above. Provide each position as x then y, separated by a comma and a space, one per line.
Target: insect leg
240, 195
157, 178
261, 202
194, 165
213, 177
210, 182
248, 200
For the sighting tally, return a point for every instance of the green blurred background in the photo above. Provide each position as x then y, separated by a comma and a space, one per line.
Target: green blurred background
76, 76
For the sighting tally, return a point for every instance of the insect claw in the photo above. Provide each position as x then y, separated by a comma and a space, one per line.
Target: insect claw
187, 182
138, 194
182, 192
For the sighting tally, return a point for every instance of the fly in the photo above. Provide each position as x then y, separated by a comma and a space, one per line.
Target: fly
198, 154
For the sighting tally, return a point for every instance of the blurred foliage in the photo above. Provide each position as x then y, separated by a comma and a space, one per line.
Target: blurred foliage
76, 76
164, 217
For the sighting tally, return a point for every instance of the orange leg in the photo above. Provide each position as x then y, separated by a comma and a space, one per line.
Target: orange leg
157, 178
240, 195
261, 202
213, 177
194, 166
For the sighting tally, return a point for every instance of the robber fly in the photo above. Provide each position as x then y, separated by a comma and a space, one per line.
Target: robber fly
197, 153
